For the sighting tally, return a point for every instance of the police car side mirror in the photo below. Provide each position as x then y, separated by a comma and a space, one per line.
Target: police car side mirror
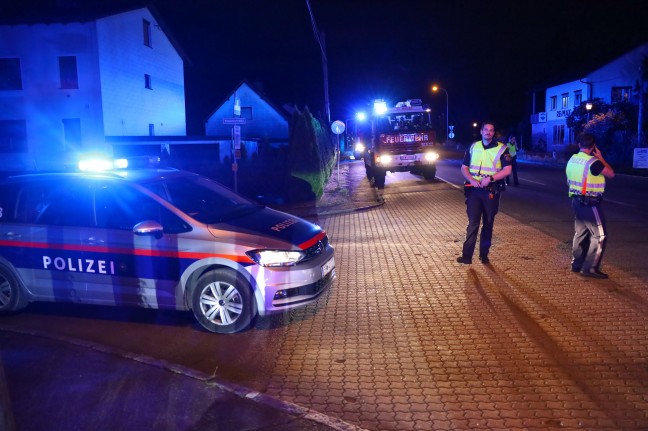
148, 227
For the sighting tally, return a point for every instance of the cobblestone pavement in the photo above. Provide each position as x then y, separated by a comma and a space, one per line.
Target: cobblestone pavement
408, 339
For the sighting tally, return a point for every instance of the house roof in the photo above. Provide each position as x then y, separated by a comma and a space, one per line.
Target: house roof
280, 110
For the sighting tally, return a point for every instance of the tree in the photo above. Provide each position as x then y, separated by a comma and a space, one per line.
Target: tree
612, 125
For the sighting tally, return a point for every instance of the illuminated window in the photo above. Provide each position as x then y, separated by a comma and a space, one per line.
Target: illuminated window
10, 78
578, 97
554, 102
147, 81
146, 26
564, 100
68, 72
621, 94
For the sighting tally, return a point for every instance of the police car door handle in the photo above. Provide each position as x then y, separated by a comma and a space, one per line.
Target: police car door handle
12, 235
94, 241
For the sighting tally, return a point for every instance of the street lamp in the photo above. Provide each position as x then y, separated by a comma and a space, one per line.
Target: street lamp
589, 107
436, 88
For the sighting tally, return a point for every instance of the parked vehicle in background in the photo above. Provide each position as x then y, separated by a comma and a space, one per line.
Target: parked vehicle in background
398, 139
156, 238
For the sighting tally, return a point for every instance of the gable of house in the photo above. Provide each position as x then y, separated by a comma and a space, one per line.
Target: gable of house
263, 120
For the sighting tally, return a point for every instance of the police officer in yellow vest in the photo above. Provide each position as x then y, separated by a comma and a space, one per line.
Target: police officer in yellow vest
513, 148
485, 166
586, 173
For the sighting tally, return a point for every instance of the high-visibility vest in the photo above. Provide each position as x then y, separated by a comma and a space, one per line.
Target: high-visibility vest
485, 162
580, 179
512, 149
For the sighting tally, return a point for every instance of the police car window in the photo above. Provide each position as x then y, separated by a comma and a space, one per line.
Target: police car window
64, 203
203, 199
119, 206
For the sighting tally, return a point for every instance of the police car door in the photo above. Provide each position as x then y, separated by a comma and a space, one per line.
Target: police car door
58, 234
137, 269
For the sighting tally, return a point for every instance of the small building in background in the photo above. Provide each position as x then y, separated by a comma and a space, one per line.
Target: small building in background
617, 81
263, 127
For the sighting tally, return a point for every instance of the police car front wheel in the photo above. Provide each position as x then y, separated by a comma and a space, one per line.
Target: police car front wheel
222, 302
12, 297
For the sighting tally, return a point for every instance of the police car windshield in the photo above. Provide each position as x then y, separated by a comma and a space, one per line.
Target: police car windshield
204, 200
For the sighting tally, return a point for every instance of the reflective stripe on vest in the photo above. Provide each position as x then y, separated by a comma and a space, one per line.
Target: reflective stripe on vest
580, 178
485, 162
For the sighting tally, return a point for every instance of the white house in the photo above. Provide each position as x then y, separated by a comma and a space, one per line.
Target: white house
65, 87
258, 121
615, 82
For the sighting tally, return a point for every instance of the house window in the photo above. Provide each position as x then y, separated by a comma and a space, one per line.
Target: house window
246, 112
559, 134
10, 78
68, 72
147, 81
13, 136
146, 27
554, 102
72, 134
564, 100
621, 94
578, 97
151, 129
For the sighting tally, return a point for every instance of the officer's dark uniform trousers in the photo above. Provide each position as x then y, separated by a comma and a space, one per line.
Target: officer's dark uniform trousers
588, 250
481, 204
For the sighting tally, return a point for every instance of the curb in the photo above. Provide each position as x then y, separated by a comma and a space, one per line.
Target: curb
238, 390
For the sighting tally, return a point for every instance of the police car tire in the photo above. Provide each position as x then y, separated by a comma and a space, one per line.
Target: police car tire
12, 297
211, 287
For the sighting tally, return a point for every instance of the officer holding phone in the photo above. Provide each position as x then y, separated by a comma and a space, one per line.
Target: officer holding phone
586, 174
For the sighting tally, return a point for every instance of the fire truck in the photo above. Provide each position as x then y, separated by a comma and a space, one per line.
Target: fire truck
397, 139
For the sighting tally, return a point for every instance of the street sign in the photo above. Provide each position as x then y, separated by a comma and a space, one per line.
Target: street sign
338, 127
451, 135
236, 131
234, 120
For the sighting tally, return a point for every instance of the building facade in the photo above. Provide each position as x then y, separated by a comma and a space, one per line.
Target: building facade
617, 81
258, 122
67, 86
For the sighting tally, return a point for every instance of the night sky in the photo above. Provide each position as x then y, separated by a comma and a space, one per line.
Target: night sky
489, 56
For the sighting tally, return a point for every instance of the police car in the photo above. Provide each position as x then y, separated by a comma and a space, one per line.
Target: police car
156, 238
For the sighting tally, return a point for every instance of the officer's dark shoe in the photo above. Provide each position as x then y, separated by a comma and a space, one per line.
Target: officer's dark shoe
594, 273
576, 268
462, 259
484, 259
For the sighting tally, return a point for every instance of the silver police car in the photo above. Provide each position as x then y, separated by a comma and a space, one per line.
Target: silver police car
156, 238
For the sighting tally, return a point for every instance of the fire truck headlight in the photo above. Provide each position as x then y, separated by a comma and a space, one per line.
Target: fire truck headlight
431, 156
384, 159
359, 147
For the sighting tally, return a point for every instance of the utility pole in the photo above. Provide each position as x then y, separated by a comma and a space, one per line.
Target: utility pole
319, 37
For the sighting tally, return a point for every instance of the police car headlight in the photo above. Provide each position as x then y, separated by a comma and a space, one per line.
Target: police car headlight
431, 156
276, 257
359, 147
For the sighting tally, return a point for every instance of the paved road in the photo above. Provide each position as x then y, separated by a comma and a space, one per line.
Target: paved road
410, 340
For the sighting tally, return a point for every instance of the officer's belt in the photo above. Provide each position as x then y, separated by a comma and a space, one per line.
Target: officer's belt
588, 200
